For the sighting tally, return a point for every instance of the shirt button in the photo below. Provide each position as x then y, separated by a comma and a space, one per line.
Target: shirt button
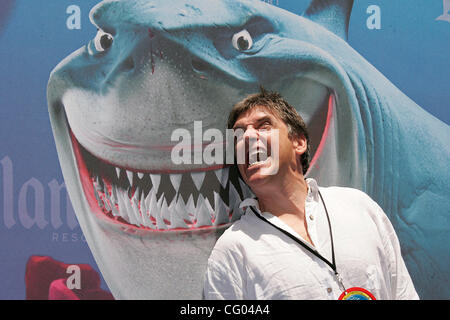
311, 217
329, 290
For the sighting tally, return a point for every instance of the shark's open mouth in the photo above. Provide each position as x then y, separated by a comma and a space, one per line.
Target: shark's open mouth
159, 201
155, 201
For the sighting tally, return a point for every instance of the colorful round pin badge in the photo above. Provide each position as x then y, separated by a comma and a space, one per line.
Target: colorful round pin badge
356, 293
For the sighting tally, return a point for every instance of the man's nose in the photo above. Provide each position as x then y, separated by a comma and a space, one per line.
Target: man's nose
251, 133
251, 136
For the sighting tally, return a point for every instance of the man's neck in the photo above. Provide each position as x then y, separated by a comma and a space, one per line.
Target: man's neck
288, 198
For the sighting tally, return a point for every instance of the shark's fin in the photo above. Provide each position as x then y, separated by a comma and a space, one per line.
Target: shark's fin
332, 14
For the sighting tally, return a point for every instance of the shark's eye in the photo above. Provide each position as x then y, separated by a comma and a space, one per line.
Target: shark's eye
103, 41
242, 40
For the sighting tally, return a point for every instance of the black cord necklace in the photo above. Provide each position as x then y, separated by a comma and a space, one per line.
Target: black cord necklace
331, 264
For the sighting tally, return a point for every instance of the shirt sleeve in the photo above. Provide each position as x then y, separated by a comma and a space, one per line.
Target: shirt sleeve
222, 281
401, 283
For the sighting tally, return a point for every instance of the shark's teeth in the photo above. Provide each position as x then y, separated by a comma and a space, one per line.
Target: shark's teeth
114, 201
165, 201
144, 212
107, 199
246, 192
159, 202
156, 180
176, 180
203, 213
135, 207
117, 172
97, 197
148, 199
190, 209
155, 212
176, 217
123, 209
222, 176
165, 212
209, 207
197, 178
183, 210
114, 210
130, 177
131, 210
161, 207
152, 207
221, 211
236, 199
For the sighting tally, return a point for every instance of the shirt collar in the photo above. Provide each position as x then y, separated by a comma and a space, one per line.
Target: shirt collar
312, 196
313, 190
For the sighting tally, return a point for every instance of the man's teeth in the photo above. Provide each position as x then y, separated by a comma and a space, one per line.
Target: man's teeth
155, 211
257, 157
258, 162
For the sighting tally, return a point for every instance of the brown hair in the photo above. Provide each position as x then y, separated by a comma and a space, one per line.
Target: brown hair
274, 102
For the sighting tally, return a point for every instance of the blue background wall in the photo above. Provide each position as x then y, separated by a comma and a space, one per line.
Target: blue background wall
411, 49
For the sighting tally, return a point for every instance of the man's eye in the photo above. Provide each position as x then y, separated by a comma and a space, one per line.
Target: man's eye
242, 41
103, 41
265, 125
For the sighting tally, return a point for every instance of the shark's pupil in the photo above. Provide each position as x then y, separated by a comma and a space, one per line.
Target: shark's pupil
243, 43
106, 41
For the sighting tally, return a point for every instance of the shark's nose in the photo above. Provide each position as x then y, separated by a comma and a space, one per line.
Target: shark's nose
199, 65
124, 66
128, 64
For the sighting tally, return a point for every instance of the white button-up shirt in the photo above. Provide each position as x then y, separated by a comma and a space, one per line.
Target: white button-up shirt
254, 260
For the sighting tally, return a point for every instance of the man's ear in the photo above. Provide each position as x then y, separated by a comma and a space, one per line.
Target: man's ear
300, 144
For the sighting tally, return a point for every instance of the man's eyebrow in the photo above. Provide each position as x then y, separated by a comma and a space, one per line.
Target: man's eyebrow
258, 121
237, 125
264, 118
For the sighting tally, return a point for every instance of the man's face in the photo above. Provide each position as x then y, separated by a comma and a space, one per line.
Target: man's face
269, 152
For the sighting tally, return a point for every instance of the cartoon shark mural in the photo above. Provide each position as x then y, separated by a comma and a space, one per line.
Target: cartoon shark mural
159, 65
445, 16
6, 7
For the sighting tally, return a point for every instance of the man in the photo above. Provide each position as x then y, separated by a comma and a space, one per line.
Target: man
296, 240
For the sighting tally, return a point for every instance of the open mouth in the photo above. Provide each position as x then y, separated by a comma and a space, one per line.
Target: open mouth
168, 201
257, 162
257, 156
137, 199
159, 201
